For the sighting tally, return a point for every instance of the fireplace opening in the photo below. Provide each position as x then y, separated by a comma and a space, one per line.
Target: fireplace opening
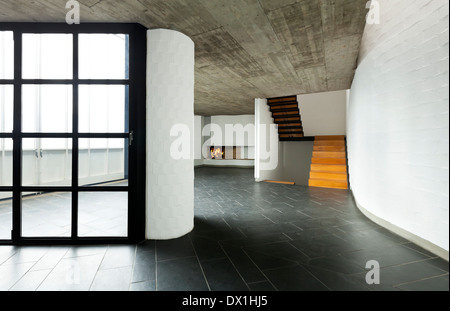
225, 153
231, 153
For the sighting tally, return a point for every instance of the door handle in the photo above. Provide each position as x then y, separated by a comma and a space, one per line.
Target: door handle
36, 153
40, 153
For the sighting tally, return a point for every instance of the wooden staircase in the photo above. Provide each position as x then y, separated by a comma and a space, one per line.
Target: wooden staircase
286, 115
329, 163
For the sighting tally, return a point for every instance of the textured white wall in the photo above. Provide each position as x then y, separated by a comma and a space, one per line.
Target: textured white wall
268, 150
323, 113
398, 120
247, 122
170, 101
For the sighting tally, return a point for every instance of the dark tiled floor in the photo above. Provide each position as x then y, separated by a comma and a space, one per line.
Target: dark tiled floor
248, 237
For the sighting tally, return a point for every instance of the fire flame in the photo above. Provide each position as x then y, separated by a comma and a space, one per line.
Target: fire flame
217, 153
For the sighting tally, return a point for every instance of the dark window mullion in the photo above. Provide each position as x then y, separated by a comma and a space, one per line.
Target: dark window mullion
75, 139
17, 140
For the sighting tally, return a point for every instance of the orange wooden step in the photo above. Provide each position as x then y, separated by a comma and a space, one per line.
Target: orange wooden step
329, 143
288, 119
329, 148
291, 135
280, 182
328, 154
328, 168
336, 137
280, 126
333, 161
287, 113
280, 100
282, 131
272, 108
328, 184
328, 176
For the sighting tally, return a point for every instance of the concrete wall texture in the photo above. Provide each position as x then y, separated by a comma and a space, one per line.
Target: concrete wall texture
398, 120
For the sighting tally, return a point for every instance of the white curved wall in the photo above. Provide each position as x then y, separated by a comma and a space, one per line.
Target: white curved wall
398, 122
170, 102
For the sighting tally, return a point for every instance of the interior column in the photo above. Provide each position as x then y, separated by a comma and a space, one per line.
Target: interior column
170, 128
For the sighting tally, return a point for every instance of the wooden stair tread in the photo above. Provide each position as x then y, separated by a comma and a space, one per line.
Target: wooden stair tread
328, 168
282, 99
329, 148
329, 154
335, 137
336, 176
329, 143
328, 161
328, 184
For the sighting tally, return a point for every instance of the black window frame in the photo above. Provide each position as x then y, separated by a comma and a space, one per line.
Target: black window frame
136, 126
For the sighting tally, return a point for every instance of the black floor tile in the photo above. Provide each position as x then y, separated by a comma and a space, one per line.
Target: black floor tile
336, 263
247, 236
246, 268
440, 283
294, 279
336, 281
261, 287
115, 279
172, 249
118, 256
182, 274
147, 286
264, 261
222, 276
144, 267
386, 256
393, 276
324, 245
207, 249
282, 250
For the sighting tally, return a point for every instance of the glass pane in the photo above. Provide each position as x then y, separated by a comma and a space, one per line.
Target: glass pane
103, 108
103, 56
5, 215
103, 162
6, 108
6, 162
103, 214
47, 56
47, 108
6, 55
47, 215
47, 162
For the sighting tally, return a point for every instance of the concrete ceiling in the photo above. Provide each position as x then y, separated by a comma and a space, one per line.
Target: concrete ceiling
245, 49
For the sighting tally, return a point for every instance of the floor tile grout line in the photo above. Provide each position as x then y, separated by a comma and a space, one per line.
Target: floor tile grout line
29, 270
98, 268
262, 272
234, 266
51, 270
199, 263
420, 280
133, 267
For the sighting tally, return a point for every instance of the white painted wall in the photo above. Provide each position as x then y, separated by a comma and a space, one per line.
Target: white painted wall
268, 150
323, 113
170, 102
198, 140
398, 122
245, 122
241, 133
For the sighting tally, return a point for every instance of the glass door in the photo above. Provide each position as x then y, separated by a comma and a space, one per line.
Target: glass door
68, 155
6, 129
